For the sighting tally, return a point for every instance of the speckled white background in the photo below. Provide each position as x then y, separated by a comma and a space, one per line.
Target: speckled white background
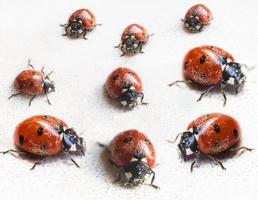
30, 29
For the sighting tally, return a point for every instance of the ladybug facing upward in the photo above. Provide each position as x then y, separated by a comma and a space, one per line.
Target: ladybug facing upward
133, 153
212, 66
210, 134
79, 23
44, 136
197, 17
125, 86
33, 82
132, 40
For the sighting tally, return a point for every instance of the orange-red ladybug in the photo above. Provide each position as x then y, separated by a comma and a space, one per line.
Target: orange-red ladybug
125, 86
132, 40
210, 134
135, 155
44, 136
33, 82
79, 23
212, 66
197, 17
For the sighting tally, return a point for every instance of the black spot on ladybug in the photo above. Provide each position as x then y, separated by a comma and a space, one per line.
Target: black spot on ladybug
202, 59
45, 116
147, 141
235, 133
130, 72
216, 128
115, 77
127, 140
203, 76
40, 131
43, 148
21, 140
31, 84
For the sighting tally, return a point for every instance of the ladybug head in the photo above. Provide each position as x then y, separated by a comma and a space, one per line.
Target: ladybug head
233, 75
49, 86
193, 24
76, 28
130, 97
72, 142
131, 45
188, 144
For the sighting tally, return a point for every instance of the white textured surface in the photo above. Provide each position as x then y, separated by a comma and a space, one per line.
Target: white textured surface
30, 29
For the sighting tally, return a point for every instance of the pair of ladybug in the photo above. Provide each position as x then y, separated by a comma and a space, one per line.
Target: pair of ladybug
83, 20
131, 151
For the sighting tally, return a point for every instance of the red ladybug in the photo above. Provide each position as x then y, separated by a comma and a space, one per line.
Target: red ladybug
197, 17
79, 23
125, 86
45, 136
210, 134
212, 66
33, 82
135, 155
133, 38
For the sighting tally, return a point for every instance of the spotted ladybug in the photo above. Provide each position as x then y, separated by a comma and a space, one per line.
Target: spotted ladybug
210, 135
197, 17
211, 67
33, 82
133, 38
45, 136
133, 153
125, 86
80, 23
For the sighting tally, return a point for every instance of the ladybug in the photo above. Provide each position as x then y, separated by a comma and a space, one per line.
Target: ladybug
79, 23
125, 86
197, 17
45, 136
132, 40
33, 82
212, 66
210, 134
133, 153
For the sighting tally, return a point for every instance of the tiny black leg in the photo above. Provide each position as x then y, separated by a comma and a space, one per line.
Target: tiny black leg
224, 97
101, 145
194, 162
152, 181
217, 161
237, 90
37, 163
179, 81
140, 49
142, 97
119, 176
30, 65
32, 99
240, 148
63, 25
74, 162
206, 92
118, 46
11, 151
47, 98
84, 35
13, 95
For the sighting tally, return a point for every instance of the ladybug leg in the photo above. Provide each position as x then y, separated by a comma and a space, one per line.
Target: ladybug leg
32, 98
119, 176
38, 162
217, 161
206, 92
12, 151
84, 32
180, 81
240, 148
140, 48
13, 95
152, 180
30, 65
194, 161
142, 97
224, 95
74, 162
66, 26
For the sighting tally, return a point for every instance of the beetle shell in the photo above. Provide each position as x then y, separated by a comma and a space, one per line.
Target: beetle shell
30, 82
204, 64
39, 135
119, 77
126, 143
87, 17
139, 32
216, 132
203, 15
